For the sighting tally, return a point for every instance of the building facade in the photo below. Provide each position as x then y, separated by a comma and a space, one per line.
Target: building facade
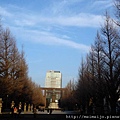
53, 79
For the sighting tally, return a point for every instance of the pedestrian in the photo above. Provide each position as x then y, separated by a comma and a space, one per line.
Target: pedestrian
20, 109
35, 112
15, 111
12, 110
48, 110
51, 111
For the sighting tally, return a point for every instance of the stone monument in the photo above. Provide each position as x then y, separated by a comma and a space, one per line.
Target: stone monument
28, 107
25, 107
53, 104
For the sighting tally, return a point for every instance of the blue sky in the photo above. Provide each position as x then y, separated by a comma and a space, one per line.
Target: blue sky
56, 34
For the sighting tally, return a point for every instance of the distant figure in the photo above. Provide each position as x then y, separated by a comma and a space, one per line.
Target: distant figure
20, 109
50, 111
12, 110
35, 112
15, 111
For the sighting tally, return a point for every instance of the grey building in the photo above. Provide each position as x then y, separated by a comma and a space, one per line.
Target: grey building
53, 79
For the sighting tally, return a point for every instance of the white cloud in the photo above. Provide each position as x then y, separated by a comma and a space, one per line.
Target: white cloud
26, 19
105, 3
4, 12
102, 4
81, 20
49, 39
24, 22
31, 19
63, 7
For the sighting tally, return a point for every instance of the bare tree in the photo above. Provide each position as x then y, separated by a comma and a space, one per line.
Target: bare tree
111, 51
6, 46
100, 77
37, 97
99, 83
117, 12
68, 100
14, 79
83, 90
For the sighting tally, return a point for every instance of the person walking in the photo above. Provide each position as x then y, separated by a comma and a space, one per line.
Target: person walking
19, 109
51, 111
48, 110
35, 112
12, 110
15, 111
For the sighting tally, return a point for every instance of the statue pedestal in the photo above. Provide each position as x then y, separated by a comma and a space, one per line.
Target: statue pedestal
53, 105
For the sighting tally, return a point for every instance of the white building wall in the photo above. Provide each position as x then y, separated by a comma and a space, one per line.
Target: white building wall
53, 79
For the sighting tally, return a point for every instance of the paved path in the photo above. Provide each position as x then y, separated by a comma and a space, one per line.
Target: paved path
53, 112
45, 112
56, 115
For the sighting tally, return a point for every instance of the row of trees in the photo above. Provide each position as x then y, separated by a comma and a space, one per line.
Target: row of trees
68, 101
99, 75
15, 84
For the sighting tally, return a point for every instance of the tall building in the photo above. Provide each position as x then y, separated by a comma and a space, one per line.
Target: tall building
53, 79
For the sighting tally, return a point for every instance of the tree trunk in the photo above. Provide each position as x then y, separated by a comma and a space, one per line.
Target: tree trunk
113, 107
113, 104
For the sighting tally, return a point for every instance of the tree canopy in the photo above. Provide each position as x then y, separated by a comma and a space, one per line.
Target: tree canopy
14, 80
